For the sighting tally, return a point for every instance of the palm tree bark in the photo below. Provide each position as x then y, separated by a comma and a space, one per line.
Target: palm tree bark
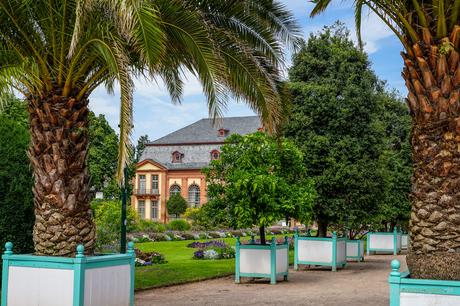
58, 152
432, 75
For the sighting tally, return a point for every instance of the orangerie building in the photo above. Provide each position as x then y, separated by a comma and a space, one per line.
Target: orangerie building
172, 164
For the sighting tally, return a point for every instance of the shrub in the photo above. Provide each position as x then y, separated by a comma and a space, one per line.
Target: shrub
178, 225
108, 223
214, 235
150, 226
176, 205
16, 213
198, 218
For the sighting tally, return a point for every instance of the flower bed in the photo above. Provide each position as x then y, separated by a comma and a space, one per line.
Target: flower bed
149, 258
215, 249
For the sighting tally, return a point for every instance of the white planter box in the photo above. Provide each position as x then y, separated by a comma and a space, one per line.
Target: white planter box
355, 250
315, 251
63, 281
384, 242
404, 241
267, 261
405, 291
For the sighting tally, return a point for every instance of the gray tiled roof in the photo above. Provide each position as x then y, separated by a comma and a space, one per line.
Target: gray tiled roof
203, 131
196, 142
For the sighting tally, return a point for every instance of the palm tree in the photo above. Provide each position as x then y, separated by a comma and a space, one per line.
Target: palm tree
430, 34
56, 52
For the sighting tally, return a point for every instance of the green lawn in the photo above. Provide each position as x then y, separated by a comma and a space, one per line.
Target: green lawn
181, 268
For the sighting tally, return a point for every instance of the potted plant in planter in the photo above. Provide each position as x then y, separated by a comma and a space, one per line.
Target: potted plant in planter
430, 34
256, 182
57, 53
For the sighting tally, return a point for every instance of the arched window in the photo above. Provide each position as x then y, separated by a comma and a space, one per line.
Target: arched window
194, 195
174, 189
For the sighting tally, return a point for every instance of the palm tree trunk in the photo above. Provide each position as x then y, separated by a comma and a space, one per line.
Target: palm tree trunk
433, 80
58, 151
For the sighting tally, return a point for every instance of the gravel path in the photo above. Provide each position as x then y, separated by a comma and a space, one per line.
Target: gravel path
359, 284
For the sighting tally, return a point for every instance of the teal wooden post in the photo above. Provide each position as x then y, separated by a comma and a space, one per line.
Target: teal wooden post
359, 251
334, 251
132, 265
395, 282
286, 242
5, 271
296, 250
273, 261
237, 260
395, 241
367, 244
79, 277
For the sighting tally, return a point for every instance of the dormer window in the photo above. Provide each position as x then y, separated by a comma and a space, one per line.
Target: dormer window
177, 157
215, 154
222, 132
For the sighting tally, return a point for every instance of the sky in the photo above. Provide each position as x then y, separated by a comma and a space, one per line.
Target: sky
156, 116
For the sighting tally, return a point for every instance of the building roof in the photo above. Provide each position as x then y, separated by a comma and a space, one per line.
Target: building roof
204, 131
196, 142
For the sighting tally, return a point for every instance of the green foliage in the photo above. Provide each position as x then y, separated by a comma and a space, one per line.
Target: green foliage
108, 223
178, 225
16, 198
337, 122
150, 226
176, 205
198, 217
257, 181
103, 153
15, 110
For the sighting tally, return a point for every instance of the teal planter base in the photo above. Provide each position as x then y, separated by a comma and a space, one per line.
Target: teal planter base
63, 281
384, 242
262, 261
355, 250
405, 291
316, 251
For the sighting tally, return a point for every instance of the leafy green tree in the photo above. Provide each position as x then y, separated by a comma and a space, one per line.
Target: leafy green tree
56, 53
430, 34
176, 205
258, 181
16, 198
334, 121
107, 215
396, 163
102, 153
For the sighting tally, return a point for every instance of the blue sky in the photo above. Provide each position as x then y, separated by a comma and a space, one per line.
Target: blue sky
156, 116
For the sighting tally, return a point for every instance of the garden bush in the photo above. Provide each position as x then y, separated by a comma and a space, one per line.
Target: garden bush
198, 218
176, 205
107, 215
150, 226
178, 225
16, 204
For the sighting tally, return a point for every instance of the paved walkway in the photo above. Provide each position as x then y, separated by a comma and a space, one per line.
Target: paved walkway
359, 284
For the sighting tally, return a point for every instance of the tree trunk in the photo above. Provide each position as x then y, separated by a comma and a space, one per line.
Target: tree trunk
322, 227
58, 151
262, 234
433, 80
